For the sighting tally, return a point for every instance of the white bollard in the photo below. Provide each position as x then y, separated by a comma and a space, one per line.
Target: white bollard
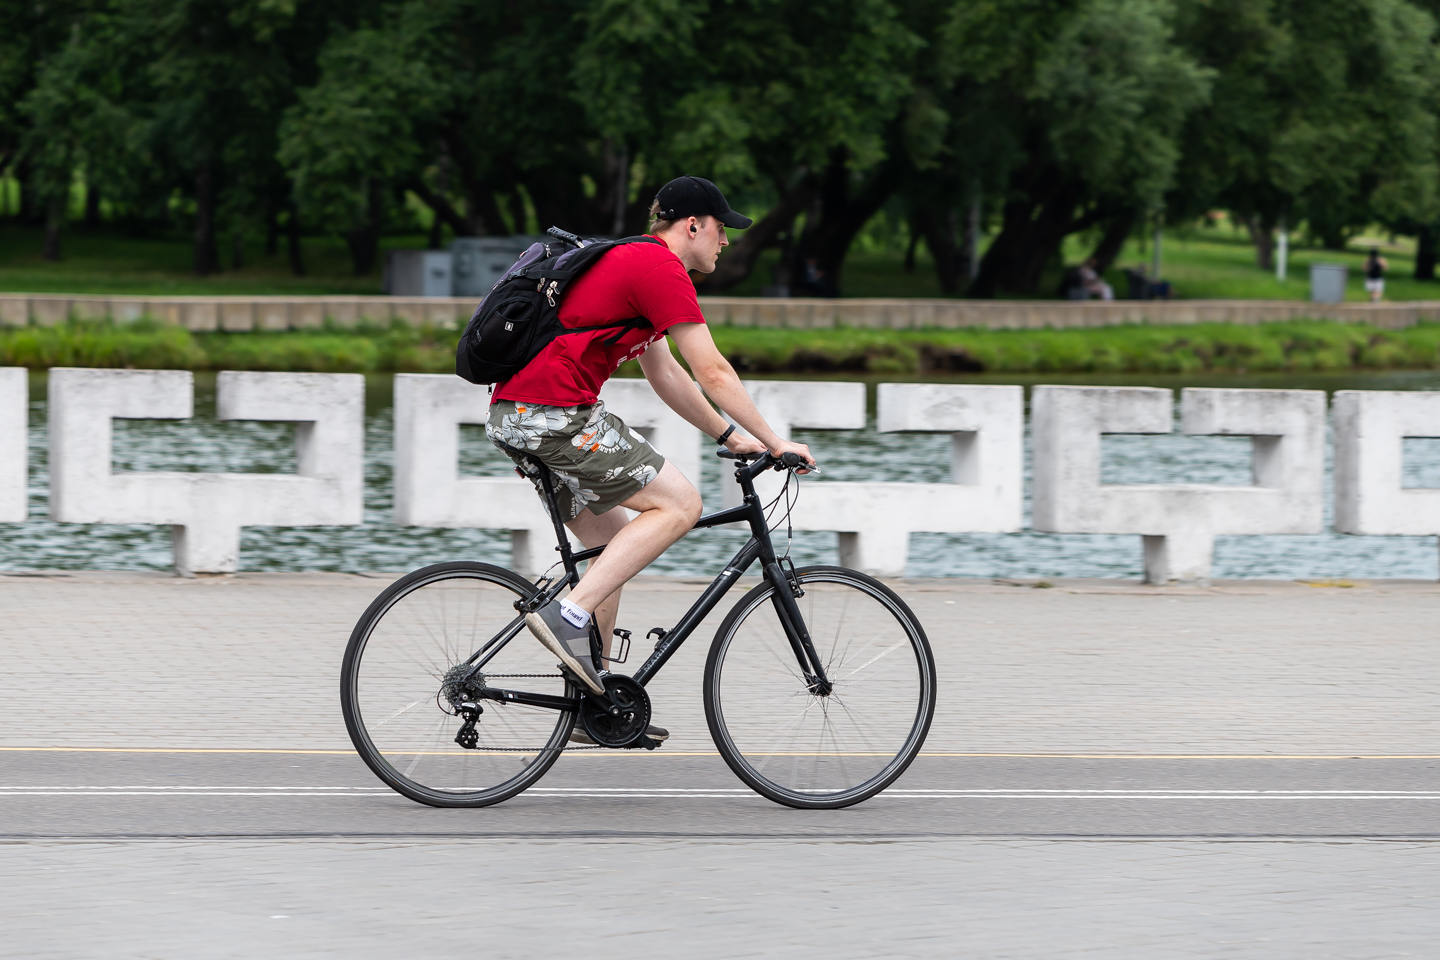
1178, 522
1370, 430
207, 510
14, 397
429, 491
875, 519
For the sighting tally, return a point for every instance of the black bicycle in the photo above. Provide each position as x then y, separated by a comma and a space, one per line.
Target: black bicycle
819, 688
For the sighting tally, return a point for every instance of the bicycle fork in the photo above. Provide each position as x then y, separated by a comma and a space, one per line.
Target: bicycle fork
783, 597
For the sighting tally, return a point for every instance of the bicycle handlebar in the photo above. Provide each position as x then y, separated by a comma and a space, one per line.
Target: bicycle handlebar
768, 461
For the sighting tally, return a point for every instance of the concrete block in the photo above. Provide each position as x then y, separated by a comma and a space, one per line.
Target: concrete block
237, 315
1178, 522
412, 312
125, 310
786, 406
167, 311
200, 315
14, 310
207, 510
429, 491
14, 457
307, 314
343, 312
90, 308
273, 313
49, 311
1370, 427
875, 519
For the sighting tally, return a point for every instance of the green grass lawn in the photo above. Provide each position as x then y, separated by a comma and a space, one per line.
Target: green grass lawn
1201, 263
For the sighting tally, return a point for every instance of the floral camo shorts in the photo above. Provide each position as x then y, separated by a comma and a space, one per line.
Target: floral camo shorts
597, 461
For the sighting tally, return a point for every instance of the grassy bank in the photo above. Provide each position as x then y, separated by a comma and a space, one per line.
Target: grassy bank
1301, 346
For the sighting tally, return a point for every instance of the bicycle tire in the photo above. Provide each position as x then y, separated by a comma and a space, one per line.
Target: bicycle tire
416, 630
753, 688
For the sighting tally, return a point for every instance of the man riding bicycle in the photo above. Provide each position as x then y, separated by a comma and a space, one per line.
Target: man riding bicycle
551, 409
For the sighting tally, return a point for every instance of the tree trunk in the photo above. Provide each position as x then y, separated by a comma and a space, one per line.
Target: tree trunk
1029, 239
237, 250
1262, 235
292, 241
939, 230
54, 219
1425, 254
1117, 231
206, 252
31, 212
364, 238
272, 232
92, 205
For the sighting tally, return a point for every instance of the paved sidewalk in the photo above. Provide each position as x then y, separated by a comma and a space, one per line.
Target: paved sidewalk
133, 660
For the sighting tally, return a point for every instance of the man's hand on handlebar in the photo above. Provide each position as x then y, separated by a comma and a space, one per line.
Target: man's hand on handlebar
799, 449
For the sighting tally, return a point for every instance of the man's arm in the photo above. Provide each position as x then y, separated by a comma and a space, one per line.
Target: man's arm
721, 384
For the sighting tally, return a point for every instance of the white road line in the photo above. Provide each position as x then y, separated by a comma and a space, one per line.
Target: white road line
170, 790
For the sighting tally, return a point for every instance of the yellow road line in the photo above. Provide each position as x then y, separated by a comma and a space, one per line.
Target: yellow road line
671, 753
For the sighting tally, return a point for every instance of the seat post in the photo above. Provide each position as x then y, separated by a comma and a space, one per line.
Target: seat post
562, 540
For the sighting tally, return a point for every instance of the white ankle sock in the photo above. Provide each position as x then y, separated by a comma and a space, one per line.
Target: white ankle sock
574, 615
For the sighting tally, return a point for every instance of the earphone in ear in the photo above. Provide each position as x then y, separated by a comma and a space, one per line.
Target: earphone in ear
693, 229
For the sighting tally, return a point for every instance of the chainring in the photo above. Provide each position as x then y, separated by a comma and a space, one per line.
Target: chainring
631, 712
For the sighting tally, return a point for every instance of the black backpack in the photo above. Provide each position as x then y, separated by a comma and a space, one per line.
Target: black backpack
521, 313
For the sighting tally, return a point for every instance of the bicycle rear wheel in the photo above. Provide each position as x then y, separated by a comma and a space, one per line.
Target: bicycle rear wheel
398, 687
807, 750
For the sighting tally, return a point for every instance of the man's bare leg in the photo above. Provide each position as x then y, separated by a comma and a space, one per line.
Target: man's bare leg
668, 506
595, 531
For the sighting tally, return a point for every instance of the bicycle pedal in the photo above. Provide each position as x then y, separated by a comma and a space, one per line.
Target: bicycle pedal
645, 742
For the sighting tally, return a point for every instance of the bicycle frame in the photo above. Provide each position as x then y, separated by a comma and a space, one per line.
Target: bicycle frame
758, 547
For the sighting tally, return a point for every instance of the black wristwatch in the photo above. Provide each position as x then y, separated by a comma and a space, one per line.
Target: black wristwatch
726, 435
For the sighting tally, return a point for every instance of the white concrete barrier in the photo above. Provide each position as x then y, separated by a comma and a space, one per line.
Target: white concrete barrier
14, 396
429, 491
789, 405
1178, 522
207, 510
875, 518
1370, 427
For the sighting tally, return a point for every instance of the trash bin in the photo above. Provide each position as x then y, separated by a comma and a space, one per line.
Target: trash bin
1327, 282
417, 273
480, 261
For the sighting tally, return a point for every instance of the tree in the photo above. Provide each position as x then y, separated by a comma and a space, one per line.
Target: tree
1320, 112
1084, 102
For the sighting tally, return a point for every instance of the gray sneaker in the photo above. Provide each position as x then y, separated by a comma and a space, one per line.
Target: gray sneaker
567, 641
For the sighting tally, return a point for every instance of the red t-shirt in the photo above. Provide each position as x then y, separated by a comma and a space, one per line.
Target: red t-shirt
634, 280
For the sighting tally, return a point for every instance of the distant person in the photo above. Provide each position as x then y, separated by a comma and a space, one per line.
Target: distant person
1091, 283
1375, 267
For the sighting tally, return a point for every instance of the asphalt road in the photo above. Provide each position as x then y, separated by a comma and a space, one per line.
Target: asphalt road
160, 794
1238, 770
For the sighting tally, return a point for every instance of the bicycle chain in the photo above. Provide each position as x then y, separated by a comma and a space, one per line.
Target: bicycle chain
535, 676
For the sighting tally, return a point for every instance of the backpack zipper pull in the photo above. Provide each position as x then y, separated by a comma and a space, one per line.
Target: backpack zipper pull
550, 292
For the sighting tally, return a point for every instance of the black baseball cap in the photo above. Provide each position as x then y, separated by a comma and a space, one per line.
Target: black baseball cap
697, 197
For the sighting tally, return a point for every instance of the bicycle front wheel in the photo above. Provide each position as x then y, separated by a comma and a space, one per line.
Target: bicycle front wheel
820, 751
400, 682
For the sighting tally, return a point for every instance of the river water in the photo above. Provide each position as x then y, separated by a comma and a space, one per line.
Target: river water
204, 444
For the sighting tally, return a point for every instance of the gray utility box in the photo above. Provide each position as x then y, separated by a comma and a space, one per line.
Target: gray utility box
1327, 282
417, 273
480, 261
